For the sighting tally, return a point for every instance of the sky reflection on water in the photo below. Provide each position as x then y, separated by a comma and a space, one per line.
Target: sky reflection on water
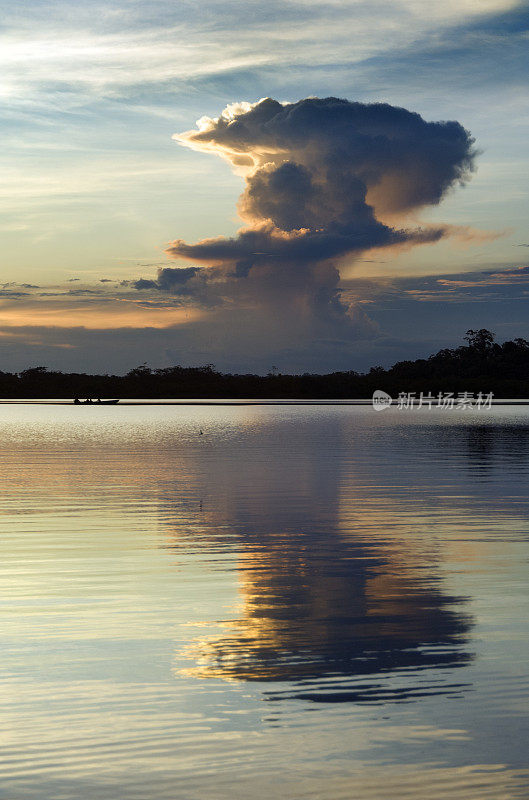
300, 598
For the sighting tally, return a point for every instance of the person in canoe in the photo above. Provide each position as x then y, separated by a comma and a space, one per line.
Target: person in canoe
89, 401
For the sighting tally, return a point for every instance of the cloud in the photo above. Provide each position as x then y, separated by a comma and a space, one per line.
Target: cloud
467, 236
168, 279
515, 272
98, 316
318, 173
97, 53
89, 308
458, 59
389, 319
491, 286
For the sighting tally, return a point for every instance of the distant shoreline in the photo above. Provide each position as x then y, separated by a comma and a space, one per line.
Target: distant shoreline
480, 368
233, 402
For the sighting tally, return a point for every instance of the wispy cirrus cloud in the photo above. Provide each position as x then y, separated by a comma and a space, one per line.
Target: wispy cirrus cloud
110, 49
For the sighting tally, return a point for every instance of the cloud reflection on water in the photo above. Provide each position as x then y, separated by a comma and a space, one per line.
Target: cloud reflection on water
341, 595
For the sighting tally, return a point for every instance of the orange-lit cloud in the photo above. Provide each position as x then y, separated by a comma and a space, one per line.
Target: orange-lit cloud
109, 314
318, 171
309, 168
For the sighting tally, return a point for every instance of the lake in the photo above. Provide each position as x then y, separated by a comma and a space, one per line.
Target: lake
295, 602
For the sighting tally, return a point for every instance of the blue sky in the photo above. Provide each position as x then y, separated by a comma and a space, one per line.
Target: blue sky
93, 186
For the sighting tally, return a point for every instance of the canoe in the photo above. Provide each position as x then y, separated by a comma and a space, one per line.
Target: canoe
96, 402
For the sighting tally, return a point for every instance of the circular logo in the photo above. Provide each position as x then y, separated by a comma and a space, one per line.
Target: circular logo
381, 400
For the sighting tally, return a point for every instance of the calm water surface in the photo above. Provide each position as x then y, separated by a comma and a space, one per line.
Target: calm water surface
300, 603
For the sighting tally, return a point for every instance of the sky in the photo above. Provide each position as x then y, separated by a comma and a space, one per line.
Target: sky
309, 186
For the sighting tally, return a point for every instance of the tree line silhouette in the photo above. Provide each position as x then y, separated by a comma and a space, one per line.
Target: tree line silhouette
481, 364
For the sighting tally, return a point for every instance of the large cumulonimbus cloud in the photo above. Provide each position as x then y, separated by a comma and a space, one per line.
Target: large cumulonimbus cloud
321, 173
326, 180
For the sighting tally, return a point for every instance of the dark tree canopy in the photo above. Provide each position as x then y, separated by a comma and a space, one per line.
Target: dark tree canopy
482, 365
482, 341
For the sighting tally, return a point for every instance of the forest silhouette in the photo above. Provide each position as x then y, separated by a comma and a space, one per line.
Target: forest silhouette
480, 365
